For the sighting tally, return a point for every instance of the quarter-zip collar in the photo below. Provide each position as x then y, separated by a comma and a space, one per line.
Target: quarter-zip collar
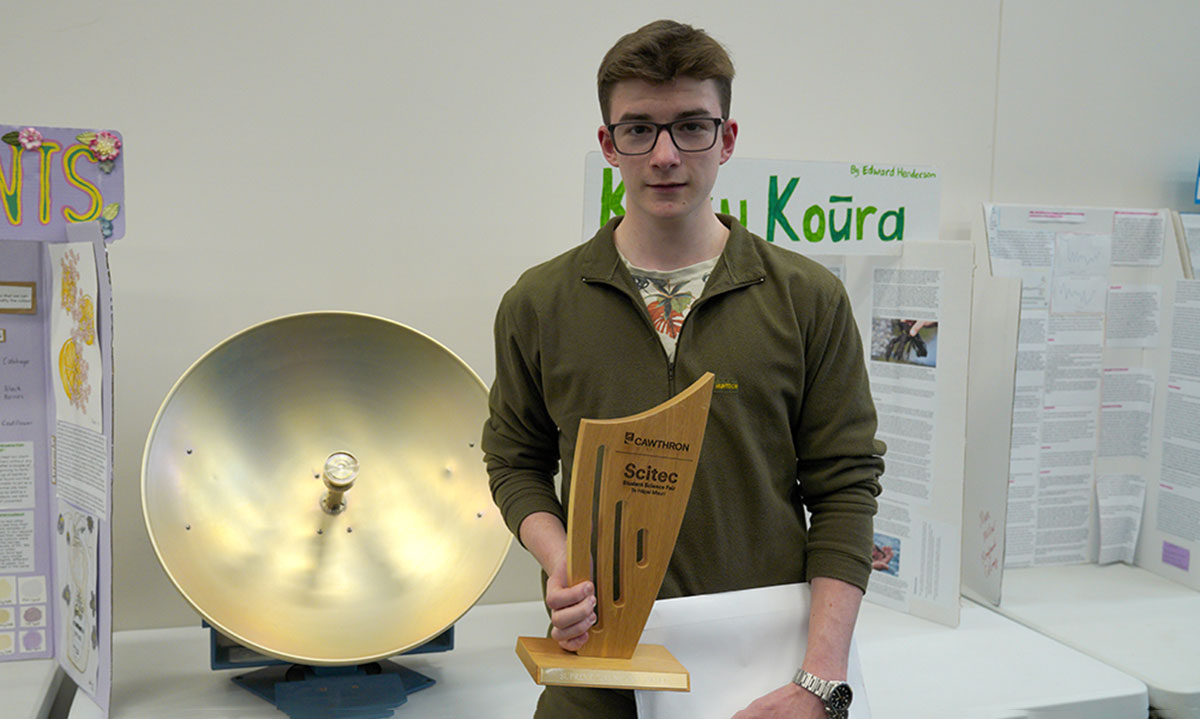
739, 263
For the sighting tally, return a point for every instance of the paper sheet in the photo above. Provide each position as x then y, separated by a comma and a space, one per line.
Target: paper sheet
81, 459
1133, 316
77, 540
1190, 222
1120, 499
16, 475
74, 351
1138, 237
1178, 506
737, 646
1126, 410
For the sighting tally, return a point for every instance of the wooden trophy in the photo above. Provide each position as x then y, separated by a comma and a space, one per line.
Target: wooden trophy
630, 486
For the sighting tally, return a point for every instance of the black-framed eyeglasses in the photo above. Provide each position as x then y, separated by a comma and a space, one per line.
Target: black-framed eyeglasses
691, 134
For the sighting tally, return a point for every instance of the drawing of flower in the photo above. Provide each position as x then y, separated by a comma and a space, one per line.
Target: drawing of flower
70, 280
73, 372
105, 146
30, 138
73, 367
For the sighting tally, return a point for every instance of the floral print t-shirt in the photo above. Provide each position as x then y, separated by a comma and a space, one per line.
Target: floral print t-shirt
669, 296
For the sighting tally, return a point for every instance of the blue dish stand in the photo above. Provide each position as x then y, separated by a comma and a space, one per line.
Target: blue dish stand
365, 691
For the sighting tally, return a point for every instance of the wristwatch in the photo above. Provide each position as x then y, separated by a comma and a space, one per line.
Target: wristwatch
835, 695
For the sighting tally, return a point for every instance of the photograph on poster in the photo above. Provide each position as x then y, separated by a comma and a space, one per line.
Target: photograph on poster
885, 555
905, 341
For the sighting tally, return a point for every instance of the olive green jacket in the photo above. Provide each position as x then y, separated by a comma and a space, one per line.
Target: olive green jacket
791, 424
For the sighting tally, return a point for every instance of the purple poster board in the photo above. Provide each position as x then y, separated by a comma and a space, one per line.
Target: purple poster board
51, 177
61, 197
27, 611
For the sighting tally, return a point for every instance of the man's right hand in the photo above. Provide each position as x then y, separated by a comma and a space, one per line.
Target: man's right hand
572, 608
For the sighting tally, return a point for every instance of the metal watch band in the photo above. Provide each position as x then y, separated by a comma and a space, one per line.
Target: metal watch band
812, 683
822, 688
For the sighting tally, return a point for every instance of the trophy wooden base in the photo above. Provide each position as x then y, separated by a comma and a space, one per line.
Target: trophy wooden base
650, 668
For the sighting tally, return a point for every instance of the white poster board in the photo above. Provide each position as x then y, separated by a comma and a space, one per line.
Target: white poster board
914, 312
1101, 363
994, 317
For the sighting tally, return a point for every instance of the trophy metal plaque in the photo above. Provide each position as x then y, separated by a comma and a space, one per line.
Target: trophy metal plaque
630, 484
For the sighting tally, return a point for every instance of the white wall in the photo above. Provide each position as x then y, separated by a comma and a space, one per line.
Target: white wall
1099, 103
409, 160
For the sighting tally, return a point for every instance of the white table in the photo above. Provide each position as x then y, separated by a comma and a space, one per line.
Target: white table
165, 673
28, 688
1136, 621
989, 667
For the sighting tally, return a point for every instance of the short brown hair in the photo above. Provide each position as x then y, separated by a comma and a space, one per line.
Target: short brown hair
660, 52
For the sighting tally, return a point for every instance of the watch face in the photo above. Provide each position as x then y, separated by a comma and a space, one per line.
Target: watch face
840, 696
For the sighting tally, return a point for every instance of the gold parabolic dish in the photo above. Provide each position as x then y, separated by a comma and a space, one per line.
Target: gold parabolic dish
232, 488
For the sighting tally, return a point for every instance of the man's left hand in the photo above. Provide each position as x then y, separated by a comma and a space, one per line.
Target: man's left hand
790, 701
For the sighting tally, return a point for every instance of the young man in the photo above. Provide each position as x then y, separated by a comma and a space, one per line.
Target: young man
658, 297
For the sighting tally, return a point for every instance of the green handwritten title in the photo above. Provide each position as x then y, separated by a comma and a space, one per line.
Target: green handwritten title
837, 220
821, 222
